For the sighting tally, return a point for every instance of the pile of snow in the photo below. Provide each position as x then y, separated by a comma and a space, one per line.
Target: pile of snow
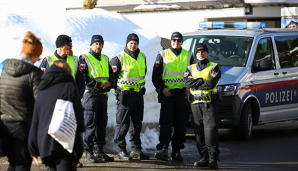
80, 25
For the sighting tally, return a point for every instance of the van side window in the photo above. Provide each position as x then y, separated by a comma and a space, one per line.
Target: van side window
264, 56
287, 48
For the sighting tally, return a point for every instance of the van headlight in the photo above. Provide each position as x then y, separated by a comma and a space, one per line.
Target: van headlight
228, 90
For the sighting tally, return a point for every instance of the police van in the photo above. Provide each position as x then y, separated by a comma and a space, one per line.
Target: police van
259, 68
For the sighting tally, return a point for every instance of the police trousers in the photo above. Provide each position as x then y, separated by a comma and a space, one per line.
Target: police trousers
204, 121
95, 119
129, 117
173, 113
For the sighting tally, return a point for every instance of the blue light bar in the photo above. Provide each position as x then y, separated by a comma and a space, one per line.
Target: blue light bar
232, 24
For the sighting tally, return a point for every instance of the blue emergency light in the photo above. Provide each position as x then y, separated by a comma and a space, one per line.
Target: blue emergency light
205, 24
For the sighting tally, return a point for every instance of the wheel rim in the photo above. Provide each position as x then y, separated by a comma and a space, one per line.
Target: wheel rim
249, 122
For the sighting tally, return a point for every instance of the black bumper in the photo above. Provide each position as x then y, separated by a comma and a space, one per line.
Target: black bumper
229, 110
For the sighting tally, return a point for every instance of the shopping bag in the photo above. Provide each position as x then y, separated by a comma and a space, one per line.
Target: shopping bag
63, 125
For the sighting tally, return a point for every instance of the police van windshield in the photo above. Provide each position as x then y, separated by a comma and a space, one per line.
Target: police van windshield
224, 50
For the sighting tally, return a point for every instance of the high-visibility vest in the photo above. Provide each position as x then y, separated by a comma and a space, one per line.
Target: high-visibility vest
132, 74
174, 67
98, 70
205, 74
72, 61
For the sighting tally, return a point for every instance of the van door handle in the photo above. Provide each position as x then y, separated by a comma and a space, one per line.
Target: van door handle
276, 73
284, 72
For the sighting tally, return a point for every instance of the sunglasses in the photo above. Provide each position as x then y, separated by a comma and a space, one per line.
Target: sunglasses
178, 40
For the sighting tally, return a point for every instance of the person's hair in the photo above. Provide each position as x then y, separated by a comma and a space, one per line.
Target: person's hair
62, 64
31, 45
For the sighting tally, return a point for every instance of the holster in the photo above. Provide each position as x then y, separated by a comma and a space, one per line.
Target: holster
159, 95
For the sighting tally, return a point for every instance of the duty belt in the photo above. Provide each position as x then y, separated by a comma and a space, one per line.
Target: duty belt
95, 91
205, 97
178, 91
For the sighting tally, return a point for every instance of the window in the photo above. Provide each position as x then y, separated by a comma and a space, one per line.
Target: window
287, 48
224, 50
264, 54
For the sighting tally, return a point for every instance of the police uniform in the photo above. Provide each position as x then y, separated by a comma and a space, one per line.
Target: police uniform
202, 79
129, 72
96, 71
72, 61
168, 71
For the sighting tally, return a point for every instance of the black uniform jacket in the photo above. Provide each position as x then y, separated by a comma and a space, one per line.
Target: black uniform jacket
116, 62
51, 87
79, 78
199, 83
158, 69
90, 82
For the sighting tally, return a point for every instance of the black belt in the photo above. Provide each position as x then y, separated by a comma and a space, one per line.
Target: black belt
205, 97
131, 91
178, 91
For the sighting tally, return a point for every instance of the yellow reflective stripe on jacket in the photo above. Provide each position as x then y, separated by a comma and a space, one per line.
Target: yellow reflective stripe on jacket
132, 74
103, 69
125, 76
72, 61
174, 67
205, 74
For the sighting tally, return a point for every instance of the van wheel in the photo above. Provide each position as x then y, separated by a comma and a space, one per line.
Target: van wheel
244, 130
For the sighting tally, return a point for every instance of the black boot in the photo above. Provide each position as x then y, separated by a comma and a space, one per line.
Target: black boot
138, 153
204, 162
90, 157
176, 156
162, 154
122, 155
213, 164
101, 156
79, 164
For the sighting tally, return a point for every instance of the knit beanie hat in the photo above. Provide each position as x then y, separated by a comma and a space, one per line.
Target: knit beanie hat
131, 37
177, 34
200, 46
62, 40
96, 38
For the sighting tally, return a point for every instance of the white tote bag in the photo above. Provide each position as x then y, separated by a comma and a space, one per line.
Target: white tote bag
63, 125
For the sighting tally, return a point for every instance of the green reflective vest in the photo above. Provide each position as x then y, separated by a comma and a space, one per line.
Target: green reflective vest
98, 70
132, 74
72, 61
205, 73
174, 67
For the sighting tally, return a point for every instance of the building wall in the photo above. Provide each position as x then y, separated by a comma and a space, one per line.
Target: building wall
165, 23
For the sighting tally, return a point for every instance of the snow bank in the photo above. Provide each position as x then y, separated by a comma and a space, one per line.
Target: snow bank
80, 25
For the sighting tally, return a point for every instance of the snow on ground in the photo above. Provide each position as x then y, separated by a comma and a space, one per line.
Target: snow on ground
81, 25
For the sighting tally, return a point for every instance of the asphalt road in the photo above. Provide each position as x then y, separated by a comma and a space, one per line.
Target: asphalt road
273, 146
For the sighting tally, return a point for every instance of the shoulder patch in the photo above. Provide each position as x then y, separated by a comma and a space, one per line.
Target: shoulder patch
45, 58
185, 74
156, 63
82, 66
213, 74
114, 68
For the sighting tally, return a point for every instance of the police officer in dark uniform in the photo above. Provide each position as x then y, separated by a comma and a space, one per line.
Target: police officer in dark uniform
64, 52
167, 78
129, 68
202, 79
99, 80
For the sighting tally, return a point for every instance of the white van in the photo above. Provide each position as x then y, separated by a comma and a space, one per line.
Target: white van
259, 68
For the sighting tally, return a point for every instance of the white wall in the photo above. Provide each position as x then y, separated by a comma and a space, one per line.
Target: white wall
165, 23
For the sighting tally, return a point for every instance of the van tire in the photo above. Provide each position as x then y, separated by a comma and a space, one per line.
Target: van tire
244, 129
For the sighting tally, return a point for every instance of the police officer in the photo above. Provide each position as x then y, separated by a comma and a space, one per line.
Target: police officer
129, 68
99, 80
64, 51
167, 77
202, 79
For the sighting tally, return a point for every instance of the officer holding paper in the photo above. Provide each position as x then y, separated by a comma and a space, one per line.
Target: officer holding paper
202, 78
99, 80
